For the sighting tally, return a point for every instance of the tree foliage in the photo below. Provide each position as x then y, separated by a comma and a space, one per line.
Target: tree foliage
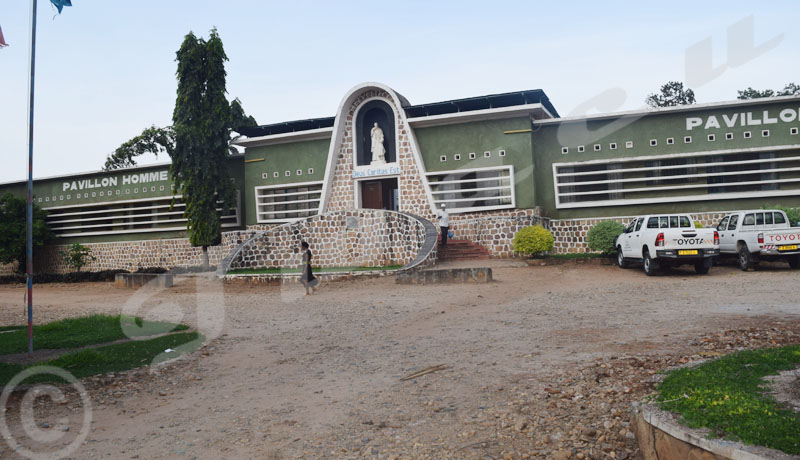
672, 94
791, 89
158, 140
152, 140
13, 235
533, 240
201, 122
602, 235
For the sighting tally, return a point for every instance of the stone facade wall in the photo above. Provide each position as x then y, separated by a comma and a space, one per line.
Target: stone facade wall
411, 190
495, 230
356, 238
570, 234
132, 255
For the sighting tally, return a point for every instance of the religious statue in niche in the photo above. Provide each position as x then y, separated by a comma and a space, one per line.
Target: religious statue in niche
378, 151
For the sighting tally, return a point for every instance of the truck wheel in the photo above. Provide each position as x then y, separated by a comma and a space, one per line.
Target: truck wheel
794, 261
650, 265
621, 263
702, 267
746, 260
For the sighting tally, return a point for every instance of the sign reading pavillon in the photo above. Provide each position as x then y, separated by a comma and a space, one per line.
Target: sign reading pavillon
127, 179
766, 117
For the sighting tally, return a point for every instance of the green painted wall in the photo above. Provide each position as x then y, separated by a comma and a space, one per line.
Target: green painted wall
479, 137
549, 138
281, 158
121, 185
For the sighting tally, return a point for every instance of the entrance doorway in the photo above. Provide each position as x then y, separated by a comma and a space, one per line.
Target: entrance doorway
379, 194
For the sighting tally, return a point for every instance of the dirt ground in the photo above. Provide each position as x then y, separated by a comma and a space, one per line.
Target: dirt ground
542, 363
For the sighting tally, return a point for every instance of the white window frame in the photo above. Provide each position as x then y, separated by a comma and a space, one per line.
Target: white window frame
581, 148
472, 155
670, 141
81, 218
597, 147
612, 146
267, 220
653, 142
677, 198
564, 150
511, 186
712, 138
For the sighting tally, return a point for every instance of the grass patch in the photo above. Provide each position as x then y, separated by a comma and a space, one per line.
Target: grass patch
79, 332
276, 270
111, 358
725, 395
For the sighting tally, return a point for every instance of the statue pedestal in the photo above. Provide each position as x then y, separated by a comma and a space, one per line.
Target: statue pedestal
377, 162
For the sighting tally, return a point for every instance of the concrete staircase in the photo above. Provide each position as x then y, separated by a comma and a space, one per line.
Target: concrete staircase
461, 250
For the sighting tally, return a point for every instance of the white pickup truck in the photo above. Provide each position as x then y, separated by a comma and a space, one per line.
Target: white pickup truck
667, 240
763, 234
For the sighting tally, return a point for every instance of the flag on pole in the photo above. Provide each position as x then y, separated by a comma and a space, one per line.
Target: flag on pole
2, 40
60, 4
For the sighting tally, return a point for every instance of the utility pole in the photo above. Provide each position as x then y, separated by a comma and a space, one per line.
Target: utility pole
29, 249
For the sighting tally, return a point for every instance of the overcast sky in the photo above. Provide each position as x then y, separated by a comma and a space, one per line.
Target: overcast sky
105, 68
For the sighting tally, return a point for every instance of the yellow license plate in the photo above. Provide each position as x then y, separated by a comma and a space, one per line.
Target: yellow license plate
788, 247
688, 252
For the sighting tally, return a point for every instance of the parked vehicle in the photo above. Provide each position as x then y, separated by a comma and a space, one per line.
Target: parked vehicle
667, 240
763, 234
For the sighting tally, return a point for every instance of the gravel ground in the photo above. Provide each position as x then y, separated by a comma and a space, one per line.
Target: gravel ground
542, 363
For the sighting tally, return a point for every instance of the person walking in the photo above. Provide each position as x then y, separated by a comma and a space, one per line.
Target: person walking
308, 279
444, 223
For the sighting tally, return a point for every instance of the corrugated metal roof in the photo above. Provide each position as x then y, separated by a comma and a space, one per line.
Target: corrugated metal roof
492, 101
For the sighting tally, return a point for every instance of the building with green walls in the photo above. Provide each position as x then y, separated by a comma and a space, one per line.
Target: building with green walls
489, 159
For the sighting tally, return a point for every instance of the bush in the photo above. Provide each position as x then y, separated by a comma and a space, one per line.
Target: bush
792, 213
533, 240
77, 256
698, 224
601, 237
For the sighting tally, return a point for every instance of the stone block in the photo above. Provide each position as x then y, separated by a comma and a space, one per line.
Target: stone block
137, 280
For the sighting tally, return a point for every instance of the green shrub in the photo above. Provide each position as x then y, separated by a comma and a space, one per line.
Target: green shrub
698, 224
77, 256
792, 213
601, 237
533, 240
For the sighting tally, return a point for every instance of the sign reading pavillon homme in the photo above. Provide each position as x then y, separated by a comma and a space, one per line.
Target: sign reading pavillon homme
127, 179
767, 117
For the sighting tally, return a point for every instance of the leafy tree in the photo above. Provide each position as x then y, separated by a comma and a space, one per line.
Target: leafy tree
13, 235
790, 89
77, 256
672, 94
201, 123
157, 140
533, 240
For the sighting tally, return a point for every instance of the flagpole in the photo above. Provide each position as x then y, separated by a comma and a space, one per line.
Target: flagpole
29, 249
